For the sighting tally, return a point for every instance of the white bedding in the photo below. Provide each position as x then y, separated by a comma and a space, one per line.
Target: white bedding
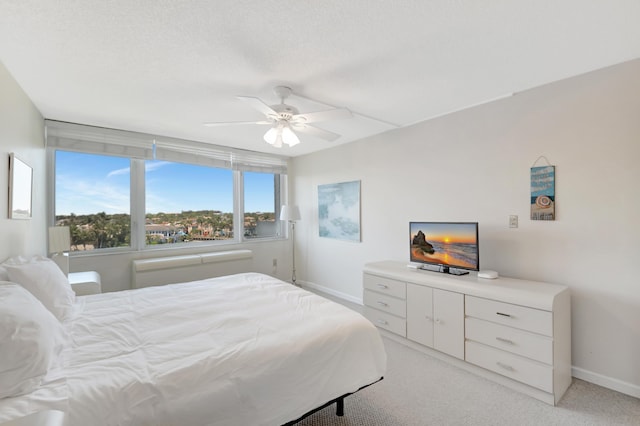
245, 349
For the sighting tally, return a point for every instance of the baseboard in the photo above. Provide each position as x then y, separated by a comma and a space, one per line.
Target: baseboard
606, 382
331, 291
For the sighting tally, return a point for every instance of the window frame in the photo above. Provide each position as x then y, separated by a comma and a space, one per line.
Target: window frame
138, 192
280, 181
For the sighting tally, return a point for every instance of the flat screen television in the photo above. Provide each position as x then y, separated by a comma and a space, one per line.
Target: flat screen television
451, 246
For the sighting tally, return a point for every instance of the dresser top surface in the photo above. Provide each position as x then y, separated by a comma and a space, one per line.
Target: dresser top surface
533, 294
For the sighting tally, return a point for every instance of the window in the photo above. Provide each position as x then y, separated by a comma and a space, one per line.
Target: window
186, 203
92, 197
124, 190
261, 199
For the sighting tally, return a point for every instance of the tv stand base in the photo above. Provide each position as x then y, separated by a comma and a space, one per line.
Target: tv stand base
443, 269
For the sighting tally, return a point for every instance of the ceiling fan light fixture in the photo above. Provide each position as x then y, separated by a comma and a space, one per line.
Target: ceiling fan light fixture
289, 137
283, 118
279, 134
278, 142
271, 135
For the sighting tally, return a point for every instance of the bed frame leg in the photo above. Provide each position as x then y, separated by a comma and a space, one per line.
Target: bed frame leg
340, 407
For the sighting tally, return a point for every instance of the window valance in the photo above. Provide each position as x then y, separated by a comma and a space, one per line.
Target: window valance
101, 140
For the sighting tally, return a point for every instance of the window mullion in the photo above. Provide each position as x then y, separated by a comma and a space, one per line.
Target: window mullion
238, 206
51, 187
283, 198
137, 201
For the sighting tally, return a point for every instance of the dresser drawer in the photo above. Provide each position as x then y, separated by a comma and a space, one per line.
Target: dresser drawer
529, 319
513, 366
386, 303
386, 286
387, 321
530, 345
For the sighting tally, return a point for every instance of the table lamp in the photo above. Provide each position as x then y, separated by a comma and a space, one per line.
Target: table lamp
59, 246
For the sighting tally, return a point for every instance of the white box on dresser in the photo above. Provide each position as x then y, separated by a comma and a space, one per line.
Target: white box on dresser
516, 332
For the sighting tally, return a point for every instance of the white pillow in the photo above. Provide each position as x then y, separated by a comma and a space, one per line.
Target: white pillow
31, 339
45, 280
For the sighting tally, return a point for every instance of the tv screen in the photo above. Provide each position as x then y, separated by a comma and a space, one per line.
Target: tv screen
445, 244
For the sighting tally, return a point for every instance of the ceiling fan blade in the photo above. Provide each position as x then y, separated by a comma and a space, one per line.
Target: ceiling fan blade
315, 131
328, 115
235, 123
259, 105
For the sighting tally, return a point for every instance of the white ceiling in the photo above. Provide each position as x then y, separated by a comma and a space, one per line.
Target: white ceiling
166, 66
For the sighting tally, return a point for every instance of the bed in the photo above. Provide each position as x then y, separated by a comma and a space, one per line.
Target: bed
245, 349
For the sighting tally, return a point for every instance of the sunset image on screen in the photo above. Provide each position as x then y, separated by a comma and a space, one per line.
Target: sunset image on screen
456, 236
453, 244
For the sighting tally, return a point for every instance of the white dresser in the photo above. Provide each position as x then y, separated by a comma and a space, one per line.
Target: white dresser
516, 332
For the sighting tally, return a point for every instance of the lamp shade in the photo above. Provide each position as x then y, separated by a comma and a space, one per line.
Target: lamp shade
289, 213
271, 135
59, 239
289, 137
281, 133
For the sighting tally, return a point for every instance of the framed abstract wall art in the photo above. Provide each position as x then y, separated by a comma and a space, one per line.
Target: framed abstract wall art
339, 210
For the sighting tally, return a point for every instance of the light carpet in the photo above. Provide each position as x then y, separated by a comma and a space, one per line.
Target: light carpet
419, 390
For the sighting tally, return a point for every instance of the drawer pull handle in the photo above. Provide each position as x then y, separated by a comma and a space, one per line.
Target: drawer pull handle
505, 366
504, 315
383, 304
503, 340
383, 286
383, 322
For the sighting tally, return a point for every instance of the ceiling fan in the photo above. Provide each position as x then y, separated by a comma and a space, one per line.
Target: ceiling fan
285, 120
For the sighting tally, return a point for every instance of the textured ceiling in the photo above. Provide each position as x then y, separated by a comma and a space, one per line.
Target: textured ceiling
167, 66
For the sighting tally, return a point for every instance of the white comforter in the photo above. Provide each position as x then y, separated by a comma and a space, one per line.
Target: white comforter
245, 349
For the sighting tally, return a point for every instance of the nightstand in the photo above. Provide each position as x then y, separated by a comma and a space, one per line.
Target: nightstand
84, 283
41, 418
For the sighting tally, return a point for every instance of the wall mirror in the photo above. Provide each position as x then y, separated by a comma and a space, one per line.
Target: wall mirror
20, 186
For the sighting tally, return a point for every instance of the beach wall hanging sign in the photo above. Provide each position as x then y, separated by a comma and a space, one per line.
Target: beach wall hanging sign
543, 191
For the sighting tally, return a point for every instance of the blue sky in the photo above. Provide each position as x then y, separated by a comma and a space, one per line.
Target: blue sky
88, 184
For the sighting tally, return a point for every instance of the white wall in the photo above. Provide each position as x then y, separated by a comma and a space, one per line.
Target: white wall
474, 165
21, 132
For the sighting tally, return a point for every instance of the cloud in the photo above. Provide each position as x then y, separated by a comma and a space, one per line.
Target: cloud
81, 196
150, 166
123, 171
